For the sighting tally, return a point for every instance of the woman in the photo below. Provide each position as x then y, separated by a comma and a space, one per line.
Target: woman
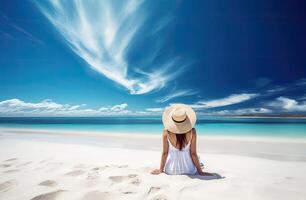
179, 154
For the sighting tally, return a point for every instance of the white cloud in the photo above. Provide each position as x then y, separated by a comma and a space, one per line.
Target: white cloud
115, 108
16, 107
230, 100
102, 33
155, 109
244, 111
175, 94
287, 104
120, 107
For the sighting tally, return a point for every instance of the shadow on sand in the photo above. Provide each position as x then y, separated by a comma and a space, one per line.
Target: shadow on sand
212, 176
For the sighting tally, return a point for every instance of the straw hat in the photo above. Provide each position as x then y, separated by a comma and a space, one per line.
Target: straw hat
179, 118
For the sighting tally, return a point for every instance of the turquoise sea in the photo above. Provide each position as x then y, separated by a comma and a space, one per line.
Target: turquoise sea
217, 126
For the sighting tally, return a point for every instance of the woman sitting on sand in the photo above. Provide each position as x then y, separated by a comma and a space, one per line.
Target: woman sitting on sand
179, 154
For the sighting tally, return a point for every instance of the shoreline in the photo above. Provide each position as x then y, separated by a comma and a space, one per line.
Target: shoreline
282, 149
96, 133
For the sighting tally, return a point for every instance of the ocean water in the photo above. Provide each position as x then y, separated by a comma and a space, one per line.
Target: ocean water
217, 126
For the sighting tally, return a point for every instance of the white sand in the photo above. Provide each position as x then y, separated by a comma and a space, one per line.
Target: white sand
60, 166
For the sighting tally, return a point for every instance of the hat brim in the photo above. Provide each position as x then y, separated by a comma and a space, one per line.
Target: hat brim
182, 127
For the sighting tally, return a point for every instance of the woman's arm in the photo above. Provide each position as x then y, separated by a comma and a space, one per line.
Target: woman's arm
193, 152
164, 154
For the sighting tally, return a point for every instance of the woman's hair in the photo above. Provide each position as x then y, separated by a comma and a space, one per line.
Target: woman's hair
181, 140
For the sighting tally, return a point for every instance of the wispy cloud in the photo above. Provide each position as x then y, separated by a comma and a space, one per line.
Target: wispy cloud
297, 85
277, 89
175, 94
288, 104
301, 82
303, 97
103, 32
262, 81
230, 100
18, 28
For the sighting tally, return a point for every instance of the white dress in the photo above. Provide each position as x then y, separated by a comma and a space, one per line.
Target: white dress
179, 161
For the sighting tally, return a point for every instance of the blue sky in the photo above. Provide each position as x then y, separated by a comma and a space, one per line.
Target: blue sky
97, 58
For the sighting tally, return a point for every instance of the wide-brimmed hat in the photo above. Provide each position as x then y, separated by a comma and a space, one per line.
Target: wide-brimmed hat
179, 118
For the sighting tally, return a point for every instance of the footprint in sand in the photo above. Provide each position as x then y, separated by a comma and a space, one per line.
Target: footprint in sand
128, 192
132, 175
93, 175
154, 190
122, 166
5, 165
43, 161
75, 173
119, 179
5, 186
11, 171
160, 197
11, 159
48, 196
136, 181
24, 164
48, 183
94, 195
100, 168
157, 192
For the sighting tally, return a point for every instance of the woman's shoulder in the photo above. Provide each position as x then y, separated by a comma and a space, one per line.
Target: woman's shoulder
165, 132
193, 132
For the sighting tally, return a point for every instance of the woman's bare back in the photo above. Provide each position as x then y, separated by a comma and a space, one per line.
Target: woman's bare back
173, 141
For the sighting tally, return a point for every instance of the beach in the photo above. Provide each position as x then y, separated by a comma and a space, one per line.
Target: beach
45, 164
99, 99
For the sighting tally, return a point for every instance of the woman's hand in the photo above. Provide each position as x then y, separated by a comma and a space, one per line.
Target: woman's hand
205, 173
156, 171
